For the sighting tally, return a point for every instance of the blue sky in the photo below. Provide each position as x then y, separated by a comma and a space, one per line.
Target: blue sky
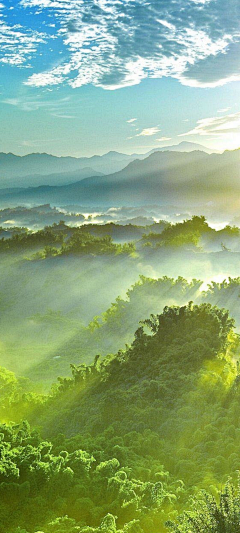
80, 77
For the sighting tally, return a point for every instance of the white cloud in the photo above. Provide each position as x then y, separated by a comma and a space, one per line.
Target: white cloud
148, 132
28, 103
37, 142
131, 120
17, 44
227, 125
46, 78
118, 43
166, 24
225, 110
163, 139
59, 115
217, 69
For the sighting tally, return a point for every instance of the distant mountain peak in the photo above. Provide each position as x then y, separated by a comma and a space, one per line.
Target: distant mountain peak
41, 168
184, 146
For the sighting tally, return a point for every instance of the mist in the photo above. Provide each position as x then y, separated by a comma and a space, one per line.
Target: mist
48, 302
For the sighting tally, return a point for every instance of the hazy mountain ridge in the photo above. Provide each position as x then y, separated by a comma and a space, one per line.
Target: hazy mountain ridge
161, 177
29, 170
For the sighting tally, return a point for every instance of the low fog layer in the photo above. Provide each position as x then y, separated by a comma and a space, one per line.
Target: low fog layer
51, 293
35, 217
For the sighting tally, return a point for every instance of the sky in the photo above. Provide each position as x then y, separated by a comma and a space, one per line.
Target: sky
83, 77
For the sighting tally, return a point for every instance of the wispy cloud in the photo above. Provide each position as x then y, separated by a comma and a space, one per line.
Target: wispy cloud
225, 110
163, 139
37, 142
216, 126
131, 120
58, 115
54, 106
117, 43
148, 132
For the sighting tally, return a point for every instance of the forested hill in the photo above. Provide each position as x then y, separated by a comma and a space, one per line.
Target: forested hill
82, 292
166, 351
133, 436
115, 327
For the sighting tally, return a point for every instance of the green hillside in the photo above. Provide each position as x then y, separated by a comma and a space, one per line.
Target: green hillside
129, 439
66, 291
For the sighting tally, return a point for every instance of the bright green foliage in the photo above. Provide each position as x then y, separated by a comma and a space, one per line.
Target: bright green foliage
36, 483
39, 279
194, 233
16, 395
68, 241
210, 515
129, 438
134, 435
27, 240
85, 243
181, 234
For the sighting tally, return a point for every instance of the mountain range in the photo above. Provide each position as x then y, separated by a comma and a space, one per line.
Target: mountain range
160, 178
41, 169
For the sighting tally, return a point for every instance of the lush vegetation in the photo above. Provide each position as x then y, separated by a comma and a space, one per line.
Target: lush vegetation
209, 514
128, 439
140, 432
115, 327
194, 233
59, 239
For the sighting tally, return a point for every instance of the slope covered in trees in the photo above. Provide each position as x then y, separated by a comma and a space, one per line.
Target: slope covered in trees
129, 439
115, 327
68, 276
192, 234
145, 412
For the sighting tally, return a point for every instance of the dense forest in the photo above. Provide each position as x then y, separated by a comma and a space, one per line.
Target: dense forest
119, 379
128, 439
194, 233
82, 288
